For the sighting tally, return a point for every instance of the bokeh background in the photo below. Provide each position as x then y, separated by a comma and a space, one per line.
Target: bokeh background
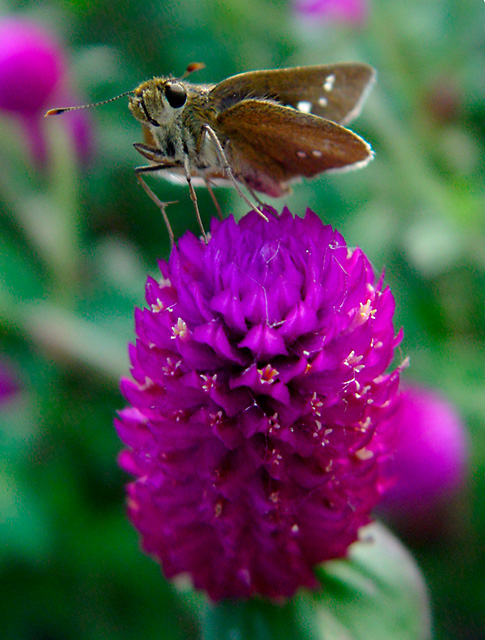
78, 236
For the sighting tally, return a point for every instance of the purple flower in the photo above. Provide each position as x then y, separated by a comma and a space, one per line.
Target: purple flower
260, 404
32, 78
9, 384
347, 11
31, 66
431, 454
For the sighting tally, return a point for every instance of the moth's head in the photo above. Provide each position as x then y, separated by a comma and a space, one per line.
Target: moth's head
158, 101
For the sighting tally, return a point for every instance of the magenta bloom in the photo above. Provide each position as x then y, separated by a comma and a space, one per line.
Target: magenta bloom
431, 454
32, 79
346, 11
31, 66
260, 404
9, 383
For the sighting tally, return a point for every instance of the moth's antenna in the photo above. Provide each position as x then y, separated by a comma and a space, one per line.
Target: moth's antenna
56, 112
193, 66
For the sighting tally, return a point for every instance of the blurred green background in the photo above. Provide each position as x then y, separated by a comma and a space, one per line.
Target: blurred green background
78, 237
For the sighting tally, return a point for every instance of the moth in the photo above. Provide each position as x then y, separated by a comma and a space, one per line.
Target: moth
259, 129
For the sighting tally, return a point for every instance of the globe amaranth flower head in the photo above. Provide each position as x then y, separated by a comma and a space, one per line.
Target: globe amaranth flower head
351, 12
430, 458
34, 75
10, 386
259, 404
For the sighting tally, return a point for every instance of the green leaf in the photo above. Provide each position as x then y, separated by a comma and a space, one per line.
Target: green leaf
376, 593
254, 619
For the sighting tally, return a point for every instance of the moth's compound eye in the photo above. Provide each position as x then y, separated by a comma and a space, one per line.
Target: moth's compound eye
175, 94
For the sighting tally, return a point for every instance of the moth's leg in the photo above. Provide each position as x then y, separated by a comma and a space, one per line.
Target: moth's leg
251, 191
154, 198
227, 168
193, 196
150, 153
155, 155
213, 196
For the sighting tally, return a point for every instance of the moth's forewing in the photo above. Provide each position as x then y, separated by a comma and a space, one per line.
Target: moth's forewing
283, 144
333, 91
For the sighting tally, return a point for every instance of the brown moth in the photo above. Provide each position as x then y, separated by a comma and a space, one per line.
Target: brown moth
261, 129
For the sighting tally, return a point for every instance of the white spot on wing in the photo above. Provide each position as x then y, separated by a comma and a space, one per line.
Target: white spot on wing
301, 154
316, 153
304, 106
323, 102
329, 82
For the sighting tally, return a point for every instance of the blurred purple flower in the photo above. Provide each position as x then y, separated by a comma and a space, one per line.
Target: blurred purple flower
260, 404
9, 384
32, 78
431, 454
353, 12
31, 66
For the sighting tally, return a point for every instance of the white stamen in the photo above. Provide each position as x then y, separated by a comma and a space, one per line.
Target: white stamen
148, 384
209, 382
164, 282
157, 307
364, 454
180, 330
